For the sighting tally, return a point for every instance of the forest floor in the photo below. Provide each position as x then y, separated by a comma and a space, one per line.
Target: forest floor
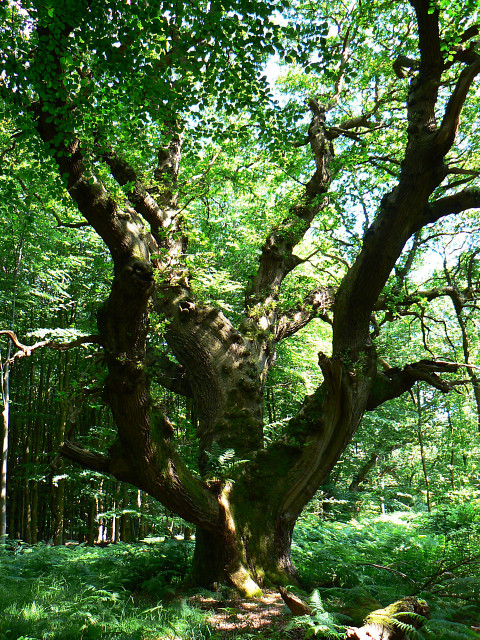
350, 568
266, 616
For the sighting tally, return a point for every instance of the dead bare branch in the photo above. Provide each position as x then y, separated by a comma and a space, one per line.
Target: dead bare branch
27, 350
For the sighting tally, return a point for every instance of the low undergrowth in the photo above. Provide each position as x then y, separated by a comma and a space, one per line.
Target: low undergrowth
86, 593
133, 592
367, 563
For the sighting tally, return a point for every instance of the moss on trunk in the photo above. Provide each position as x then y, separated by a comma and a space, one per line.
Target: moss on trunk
251, 550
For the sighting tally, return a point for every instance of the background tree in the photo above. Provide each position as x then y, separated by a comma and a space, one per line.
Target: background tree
134, 105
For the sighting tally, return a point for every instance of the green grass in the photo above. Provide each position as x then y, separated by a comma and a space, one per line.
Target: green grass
67, 593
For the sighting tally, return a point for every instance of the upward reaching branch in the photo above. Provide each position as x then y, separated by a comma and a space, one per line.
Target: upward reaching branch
123, 233
429, 42
451, 119
162, 215
277, 258
424, 87
406, 209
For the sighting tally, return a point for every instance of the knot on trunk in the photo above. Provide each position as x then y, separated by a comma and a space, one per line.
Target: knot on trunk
186, 307
135, 277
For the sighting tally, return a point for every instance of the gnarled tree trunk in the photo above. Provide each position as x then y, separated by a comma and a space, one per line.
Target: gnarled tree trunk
245, 514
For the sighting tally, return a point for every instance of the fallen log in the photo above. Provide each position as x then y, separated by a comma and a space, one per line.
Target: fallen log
394, 622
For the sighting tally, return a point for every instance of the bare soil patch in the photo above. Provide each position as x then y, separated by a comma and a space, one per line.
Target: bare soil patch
265, 617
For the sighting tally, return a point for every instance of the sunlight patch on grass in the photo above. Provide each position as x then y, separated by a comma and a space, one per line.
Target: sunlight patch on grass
402, 518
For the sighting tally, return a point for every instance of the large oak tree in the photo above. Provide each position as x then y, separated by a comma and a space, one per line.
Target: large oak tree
116, 93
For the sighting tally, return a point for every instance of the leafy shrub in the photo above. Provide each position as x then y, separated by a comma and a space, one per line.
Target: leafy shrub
449, 521
134, 566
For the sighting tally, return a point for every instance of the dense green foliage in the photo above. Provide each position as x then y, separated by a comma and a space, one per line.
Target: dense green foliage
132, 591
64, 592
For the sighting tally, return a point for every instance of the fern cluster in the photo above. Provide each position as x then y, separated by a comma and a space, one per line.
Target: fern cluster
321, 623
367, 563
221, 462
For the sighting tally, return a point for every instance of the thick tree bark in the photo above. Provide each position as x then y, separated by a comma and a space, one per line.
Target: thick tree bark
252, 548
422, 449
5, 386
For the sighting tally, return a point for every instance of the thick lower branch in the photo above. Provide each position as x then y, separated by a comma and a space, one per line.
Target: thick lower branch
84, 457
171, 483
27, 350
394, 382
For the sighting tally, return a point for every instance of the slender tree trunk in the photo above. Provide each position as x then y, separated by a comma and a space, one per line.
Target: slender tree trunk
100, 521
59, 493
475, 384
422, 448
459, 302
5, 389
452, 450
38, 428
13, 512
91, 523
5, 380
382, 497
34, 511
28, 513
125, 517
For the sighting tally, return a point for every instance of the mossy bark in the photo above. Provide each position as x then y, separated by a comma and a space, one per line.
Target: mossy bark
249, 551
